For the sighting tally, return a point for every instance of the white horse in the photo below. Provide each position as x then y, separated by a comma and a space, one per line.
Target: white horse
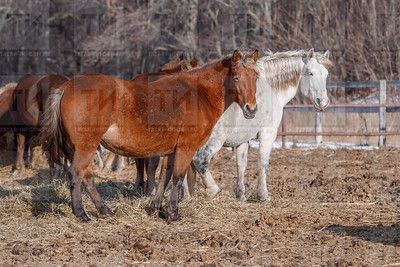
281, 76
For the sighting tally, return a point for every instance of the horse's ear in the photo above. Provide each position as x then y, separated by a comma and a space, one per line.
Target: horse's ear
310, 53
327, 54
254, 56
267, 52
237, 56
193, 62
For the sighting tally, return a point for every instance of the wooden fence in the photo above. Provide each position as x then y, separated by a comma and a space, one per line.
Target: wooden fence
382, 109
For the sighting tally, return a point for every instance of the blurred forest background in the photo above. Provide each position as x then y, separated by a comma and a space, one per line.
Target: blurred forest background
126, 37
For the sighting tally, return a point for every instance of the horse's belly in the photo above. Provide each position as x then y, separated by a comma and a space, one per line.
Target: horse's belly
237, 138
128, 142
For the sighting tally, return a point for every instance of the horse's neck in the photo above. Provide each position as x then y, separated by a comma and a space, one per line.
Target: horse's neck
284, 80
211, 82
286, 95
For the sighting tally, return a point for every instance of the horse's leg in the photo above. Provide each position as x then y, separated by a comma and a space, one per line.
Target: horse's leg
28, 150
191, 179
99, 158
185, 189
139, 175
266, 141
241, 162
181, 164
165, 176
201, 161
80, 170
108, 164
120, 163
52, 169
19, 161
101, 207
151, 168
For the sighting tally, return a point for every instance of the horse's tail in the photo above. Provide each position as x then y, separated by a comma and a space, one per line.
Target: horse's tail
55, 140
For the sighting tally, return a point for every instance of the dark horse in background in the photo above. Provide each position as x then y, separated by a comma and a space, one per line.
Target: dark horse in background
173, 115
23, 106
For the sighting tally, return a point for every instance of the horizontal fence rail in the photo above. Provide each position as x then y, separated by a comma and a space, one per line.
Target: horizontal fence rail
360, 84
381, 109
348, 108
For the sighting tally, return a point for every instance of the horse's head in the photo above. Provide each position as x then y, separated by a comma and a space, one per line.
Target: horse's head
313, 78
242, 81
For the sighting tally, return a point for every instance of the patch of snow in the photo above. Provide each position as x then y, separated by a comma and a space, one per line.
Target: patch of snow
308, 146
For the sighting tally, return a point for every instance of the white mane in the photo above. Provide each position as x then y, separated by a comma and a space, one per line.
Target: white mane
283, 69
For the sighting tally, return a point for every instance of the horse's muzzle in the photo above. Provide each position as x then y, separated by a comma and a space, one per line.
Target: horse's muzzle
249, 113
319, 105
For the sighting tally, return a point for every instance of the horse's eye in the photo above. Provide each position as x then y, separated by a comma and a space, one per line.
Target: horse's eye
236, 79
310, 73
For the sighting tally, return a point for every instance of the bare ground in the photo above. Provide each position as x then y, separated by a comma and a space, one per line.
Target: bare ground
329, 207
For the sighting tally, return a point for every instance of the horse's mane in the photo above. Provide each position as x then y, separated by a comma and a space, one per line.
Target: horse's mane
245, 61
326, 62
282, 69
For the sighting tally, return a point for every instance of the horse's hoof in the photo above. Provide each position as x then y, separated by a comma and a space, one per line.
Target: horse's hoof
173, 217
105, 212
162, 213
29, 165
212, 192
149, 191
152, 210
239, 193
264, 197
137, 190
16, 172
84, 218
241, 198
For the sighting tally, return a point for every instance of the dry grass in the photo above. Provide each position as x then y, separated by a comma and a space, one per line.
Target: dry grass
329, 208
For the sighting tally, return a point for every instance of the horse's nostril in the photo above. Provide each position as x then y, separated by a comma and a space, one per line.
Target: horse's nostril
248, 109
318, 101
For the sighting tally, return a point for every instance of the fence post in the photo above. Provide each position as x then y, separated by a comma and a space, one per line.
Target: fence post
382, 112
318, 128
283, 129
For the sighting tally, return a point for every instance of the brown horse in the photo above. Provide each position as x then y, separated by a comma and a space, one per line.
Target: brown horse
28, 100
6, 97
172, 115
149, 165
